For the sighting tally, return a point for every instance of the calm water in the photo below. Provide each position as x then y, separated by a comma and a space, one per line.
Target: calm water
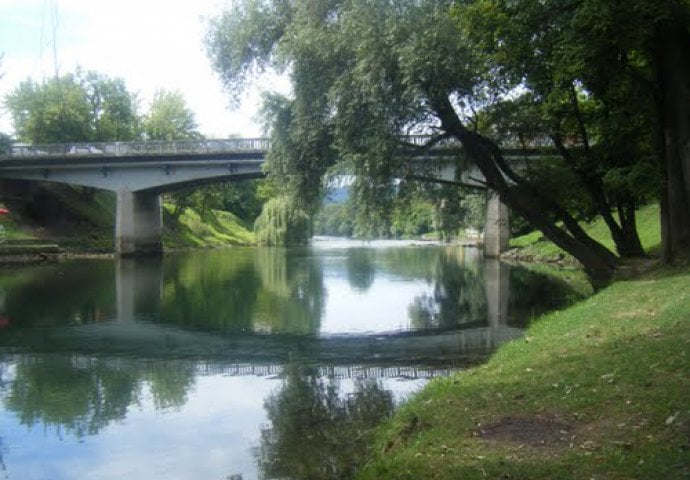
243, 363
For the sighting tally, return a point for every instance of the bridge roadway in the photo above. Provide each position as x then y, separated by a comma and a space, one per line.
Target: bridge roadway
140, 171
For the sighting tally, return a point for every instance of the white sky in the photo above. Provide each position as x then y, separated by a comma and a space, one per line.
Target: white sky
151, 44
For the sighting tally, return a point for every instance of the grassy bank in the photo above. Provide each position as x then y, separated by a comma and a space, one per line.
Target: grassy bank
213, 228
534, 246
600, 390
82, 224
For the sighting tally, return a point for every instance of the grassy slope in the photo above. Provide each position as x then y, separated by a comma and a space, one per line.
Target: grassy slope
214, 229
533, 244
600, 390
610, 376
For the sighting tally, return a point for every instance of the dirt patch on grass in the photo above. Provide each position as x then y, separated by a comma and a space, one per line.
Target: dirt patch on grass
534, 431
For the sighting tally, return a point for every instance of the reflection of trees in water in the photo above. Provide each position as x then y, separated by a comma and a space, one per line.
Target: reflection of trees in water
316, 431
82, 395
361, 269
169, 384
55, 392
263, 289
72, 293
213, 290
459, 295
535, 293
2, 456
292, 296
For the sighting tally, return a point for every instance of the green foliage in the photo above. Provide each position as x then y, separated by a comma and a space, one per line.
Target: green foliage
113, 108
53, 112
281, 223
169, 118
77, 107
316, 430
483, 73
335, 219
209, 228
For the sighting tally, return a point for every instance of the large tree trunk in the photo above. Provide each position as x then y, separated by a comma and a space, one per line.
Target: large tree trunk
540, 211
673, 67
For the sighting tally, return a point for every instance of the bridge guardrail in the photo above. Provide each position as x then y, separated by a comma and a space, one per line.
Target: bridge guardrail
230, 145
124, 149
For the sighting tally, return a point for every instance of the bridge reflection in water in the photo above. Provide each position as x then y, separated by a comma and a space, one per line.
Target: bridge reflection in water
139, 285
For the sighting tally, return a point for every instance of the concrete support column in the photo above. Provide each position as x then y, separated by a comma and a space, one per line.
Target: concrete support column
496, 231
138, 224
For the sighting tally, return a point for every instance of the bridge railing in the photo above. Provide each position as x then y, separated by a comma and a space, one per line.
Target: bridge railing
230, 145
124, 149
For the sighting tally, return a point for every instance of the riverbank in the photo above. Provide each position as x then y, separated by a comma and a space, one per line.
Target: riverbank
534, 247
600, 390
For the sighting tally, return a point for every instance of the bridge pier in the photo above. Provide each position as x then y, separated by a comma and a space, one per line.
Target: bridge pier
496, 230
138, 224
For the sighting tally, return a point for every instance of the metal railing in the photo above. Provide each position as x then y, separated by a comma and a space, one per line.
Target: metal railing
176, 147
127, 149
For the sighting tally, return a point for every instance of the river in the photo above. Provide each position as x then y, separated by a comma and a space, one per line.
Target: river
242, 363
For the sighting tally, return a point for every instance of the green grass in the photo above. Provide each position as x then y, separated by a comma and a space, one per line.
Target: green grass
88, 225
533, 245
609, 376
214, 229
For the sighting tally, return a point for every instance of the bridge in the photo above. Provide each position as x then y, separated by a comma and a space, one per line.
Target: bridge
138, 172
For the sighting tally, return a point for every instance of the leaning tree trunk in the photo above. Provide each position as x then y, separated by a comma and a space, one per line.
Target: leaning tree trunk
673, 68
540, 211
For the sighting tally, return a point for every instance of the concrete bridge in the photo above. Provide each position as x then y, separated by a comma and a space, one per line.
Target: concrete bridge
140, 171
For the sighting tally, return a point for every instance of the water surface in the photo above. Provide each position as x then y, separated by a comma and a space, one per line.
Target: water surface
243, 363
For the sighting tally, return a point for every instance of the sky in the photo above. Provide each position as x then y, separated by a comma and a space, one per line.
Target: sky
151, 44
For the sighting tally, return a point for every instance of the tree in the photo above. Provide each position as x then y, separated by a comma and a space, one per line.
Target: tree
589, 81
669, 50
365, 72
55, 111
79, 107
170, 118
281, 223
113, 108
362, 61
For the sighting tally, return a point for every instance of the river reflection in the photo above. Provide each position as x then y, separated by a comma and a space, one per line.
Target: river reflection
242, 363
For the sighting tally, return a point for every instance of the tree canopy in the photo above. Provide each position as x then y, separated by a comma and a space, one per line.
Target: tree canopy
170, 118
484, 73
79, 107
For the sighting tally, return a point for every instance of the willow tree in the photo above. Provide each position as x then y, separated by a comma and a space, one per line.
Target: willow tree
366, 72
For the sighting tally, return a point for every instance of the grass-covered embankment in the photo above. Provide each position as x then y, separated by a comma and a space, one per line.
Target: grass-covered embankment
534, 246
600, 390
213, 228
83, 221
